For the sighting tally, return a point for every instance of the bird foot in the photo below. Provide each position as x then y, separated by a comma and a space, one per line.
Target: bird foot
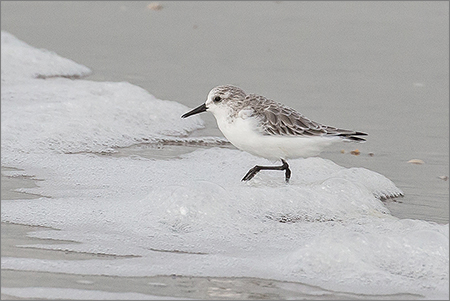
252, 172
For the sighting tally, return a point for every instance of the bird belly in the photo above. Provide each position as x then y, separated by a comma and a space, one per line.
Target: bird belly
245, 135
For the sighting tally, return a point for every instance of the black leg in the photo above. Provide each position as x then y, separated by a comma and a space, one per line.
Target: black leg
287, 174
252, 172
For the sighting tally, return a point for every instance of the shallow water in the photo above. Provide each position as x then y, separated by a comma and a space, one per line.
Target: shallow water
375, 67
355, 69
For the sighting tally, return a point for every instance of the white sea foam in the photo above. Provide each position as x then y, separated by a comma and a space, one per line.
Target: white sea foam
192, 215
83, 116
21, 61
69, 116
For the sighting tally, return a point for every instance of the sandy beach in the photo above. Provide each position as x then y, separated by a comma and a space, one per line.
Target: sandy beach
107, 194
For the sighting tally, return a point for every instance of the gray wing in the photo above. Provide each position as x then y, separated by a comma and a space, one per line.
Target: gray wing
279, 120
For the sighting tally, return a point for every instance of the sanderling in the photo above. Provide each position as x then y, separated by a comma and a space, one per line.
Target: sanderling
268, 129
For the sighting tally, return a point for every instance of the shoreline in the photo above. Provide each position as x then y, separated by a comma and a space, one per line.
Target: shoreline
173, 286
15, 235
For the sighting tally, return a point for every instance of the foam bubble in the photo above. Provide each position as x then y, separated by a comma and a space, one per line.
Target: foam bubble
191, 215
21, 61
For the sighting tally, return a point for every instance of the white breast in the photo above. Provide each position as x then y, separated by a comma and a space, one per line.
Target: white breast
244, 133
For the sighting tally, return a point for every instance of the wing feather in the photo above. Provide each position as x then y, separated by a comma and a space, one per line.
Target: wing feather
279, 120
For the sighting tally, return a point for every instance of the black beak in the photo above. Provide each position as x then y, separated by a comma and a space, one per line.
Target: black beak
199, 109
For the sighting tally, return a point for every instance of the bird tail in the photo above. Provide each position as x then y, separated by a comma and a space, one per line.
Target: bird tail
353, 136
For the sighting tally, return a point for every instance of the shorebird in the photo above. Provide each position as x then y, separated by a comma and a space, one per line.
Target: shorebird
268, 129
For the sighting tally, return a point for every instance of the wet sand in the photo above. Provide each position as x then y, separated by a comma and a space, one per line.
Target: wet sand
177, 286
16, 241
15, 236
366, 66
142, 58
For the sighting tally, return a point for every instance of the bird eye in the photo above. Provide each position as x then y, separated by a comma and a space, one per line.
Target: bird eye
217, 99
